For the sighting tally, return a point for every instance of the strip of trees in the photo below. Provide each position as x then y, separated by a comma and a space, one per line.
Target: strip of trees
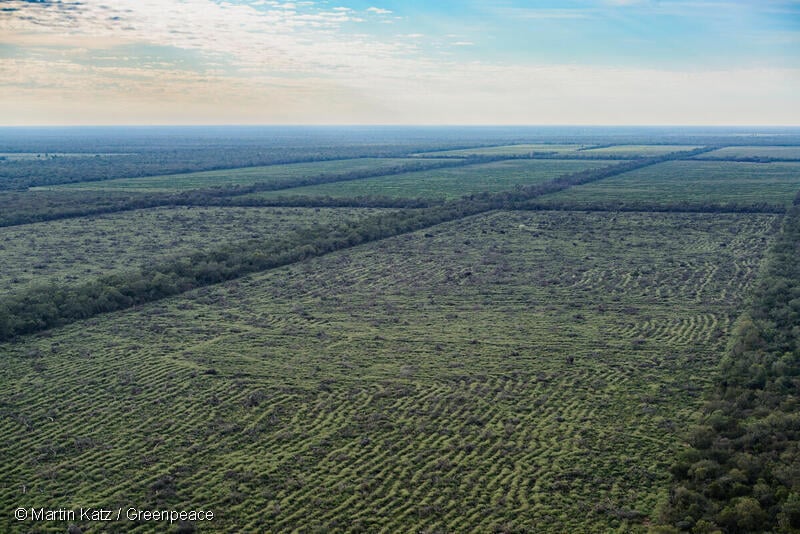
660, 207
42, 307
46, 306
24, 173
25, 207
741, 471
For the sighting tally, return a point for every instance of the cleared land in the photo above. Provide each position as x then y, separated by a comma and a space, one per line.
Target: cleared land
420, 383
271, 174
508, 150
634, 151
734, 152
72, 250
445, 183
694, 182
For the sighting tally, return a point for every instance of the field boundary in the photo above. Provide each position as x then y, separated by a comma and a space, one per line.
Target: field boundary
43, 307
412, 165
20, 175
222, 196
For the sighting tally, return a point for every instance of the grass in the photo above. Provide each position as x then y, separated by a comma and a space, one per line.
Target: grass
445, 183
634, 151
273, 174
699, 182
420, 383
71, 250
734, 152
508, 150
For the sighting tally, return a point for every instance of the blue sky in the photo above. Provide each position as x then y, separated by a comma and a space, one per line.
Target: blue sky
399, 62
632, 33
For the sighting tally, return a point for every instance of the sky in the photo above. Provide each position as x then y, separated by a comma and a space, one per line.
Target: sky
573, 62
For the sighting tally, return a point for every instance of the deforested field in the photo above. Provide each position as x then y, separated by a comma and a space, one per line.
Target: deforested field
631, 151
755, 152
66, 251
446, 183
278, 175
430, 331
516, 370
735, 184
509, 150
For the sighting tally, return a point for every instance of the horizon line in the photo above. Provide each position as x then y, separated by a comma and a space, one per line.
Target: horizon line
398, 125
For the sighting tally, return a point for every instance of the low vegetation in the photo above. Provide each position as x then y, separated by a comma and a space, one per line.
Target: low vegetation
510, 371
47, 305
70, 251
694, 183
637, 151
530, 150
268, 177
447, 183
755, 153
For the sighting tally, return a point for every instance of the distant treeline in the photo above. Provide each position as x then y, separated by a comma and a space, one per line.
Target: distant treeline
521, 197
541, 154
660, 207
751, 159
742, 470
302, 201
36, 206
24, 173
43, 307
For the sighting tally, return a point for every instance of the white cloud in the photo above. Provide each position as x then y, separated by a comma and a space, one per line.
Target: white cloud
267, 62
379, 11
544, 13
280, 37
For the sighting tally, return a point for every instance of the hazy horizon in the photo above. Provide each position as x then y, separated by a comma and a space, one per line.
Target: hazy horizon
729, 127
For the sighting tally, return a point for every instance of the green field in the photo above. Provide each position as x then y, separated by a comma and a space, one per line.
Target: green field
508, 150
634, 151
734, 152
699, 182
417, 384
445, 183
70, 250
284, 175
